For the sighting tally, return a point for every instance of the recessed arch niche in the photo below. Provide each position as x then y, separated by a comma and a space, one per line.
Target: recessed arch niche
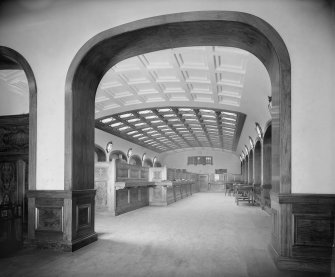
251, 167
135, 160
11, 59
117, 154
147, 162
267, 164
257, 164
246, 172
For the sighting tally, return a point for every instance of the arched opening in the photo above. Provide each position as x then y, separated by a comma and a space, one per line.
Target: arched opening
117, 154
257, 171
257, 165
18, 105
251, 167
267, 166
246, 175
135, 160
231, 29
147, 162
100, 155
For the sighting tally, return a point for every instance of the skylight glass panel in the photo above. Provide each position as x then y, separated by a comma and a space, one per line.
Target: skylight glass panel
229, 123
161, 126
139, 124
151, 117
132, 132
107, 120
147, 129
133, 120
228, 118
124, 128
228, 113
116, 124
156, 121
209, 120
145, 112
206, 111
141, 138
137, 135
169, 115
164, 110
208, 116
185, 109
149, 140
126, 115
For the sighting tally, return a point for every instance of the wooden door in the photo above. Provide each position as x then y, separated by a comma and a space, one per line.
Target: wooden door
203, 181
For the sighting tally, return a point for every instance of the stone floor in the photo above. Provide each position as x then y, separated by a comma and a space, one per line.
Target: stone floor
203, 235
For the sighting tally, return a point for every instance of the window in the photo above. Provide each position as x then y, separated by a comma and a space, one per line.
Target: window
203, 160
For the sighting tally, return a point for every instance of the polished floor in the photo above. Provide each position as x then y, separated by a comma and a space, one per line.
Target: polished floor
203, 235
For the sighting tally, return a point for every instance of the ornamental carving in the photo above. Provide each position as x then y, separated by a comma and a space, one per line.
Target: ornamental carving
14, 139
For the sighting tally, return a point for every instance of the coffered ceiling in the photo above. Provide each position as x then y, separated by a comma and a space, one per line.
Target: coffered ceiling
191, 75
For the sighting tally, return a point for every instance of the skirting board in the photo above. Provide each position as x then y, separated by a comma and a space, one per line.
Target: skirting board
300, 264
62, 246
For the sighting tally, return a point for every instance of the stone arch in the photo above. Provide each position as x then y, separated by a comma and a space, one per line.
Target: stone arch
16, 60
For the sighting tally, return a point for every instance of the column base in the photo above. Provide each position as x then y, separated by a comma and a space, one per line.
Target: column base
303, 231
61, 220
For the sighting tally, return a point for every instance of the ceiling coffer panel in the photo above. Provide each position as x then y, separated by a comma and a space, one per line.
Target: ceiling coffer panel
171, 128
206, 74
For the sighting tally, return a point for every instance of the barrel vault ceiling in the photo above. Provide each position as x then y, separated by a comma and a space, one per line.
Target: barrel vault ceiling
177, 98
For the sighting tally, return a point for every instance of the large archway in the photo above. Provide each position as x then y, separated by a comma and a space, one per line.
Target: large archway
14, 60
233, 29
221, 28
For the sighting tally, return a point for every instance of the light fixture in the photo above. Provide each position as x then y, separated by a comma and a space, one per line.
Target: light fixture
246, 149
154, 160
251, 141
243, 155
143, 157
259, 130
130, 152
241, 159
109, 147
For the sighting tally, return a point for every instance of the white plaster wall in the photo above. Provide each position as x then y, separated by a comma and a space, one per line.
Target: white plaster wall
50, 36
102, 138
221, 160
